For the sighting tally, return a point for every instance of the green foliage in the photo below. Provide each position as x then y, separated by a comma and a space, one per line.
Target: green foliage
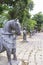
1, 9
18, 8
31, 5
29, 24
3, 18
5, 7
39, 18
42, 27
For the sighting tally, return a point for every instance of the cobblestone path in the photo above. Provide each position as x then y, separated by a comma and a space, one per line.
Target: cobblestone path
31, 53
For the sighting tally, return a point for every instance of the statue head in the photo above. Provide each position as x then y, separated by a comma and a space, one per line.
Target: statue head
17, 27
13, 25
24, 28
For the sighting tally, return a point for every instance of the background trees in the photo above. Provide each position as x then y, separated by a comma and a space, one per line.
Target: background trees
16, 9
39, 19
11, 9
29, 24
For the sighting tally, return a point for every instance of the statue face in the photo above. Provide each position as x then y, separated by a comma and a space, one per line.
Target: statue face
17, 28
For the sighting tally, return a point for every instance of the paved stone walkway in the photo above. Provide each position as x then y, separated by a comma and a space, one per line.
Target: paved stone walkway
29, 53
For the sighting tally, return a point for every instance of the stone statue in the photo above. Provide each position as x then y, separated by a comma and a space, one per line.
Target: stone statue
30, 33
8, 39
24, 34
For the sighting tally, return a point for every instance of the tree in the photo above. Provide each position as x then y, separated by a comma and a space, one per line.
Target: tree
18, 7
1, 9
4, 16
29, 24
39, 18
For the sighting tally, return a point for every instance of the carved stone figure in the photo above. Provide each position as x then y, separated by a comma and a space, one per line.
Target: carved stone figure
8, 39
24, 34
